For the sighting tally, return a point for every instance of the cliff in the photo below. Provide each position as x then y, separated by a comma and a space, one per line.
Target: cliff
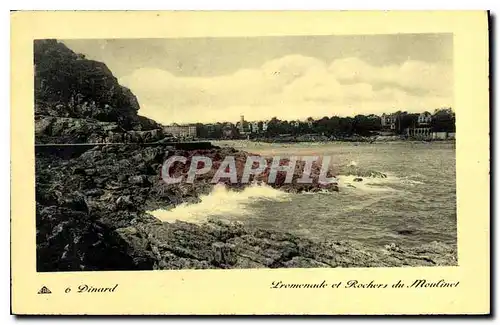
79, 100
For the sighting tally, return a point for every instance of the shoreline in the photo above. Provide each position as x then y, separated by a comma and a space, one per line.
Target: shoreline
334, 141
216, 142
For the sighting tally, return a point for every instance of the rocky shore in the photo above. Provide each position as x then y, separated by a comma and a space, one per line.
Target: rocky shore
91, 205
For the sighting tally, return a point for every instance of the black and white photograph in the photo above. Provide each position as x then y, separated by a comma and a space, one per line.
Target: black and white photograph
316, 151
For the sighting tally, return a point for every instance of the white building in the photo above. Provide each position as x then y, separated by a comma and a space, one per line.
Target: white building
181, 131
254, 127
388, 121
424, 118
439, 135
265, 125
241, 125
443, 135
420, 132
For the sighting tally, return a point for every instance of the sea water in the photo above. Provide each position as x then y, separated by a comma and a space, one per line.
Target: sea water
413, 205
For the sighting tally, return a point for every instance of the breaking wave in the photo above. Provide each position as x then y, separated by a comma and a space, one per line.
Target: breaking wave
376, 183
220, 202
354, 177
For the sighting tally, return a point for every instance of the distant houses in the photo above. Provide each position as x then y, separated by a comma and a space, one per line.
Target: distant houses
425, 125
437, 125
246, 128
254, 127
424, 118
181, 131
265, 126
229, 131
242, 125
388, 121
421, 128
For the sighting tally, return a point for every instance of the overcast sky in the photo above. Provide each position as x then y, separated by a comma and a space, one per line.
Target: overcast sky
294, 77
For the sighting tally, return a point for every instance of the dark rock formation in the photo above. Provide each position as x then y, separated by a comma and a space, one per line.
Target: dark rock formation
68, 85
405, 232
92, 206
86, 93
222, 244
50, 129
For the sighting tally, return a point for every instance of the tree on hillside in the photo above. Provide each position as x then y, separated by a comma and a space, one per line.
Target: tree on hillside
365, 125
273, 126
408, 121
443, 120
322, 126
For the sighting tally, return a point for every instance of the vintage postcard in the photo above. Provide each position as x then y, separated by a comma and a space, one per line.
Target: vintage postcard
322, 163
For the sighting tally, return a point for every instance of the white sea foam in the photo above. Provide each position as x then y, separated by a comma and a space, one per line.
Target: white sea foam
411, 181
369, 184
221, 201
322, 191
